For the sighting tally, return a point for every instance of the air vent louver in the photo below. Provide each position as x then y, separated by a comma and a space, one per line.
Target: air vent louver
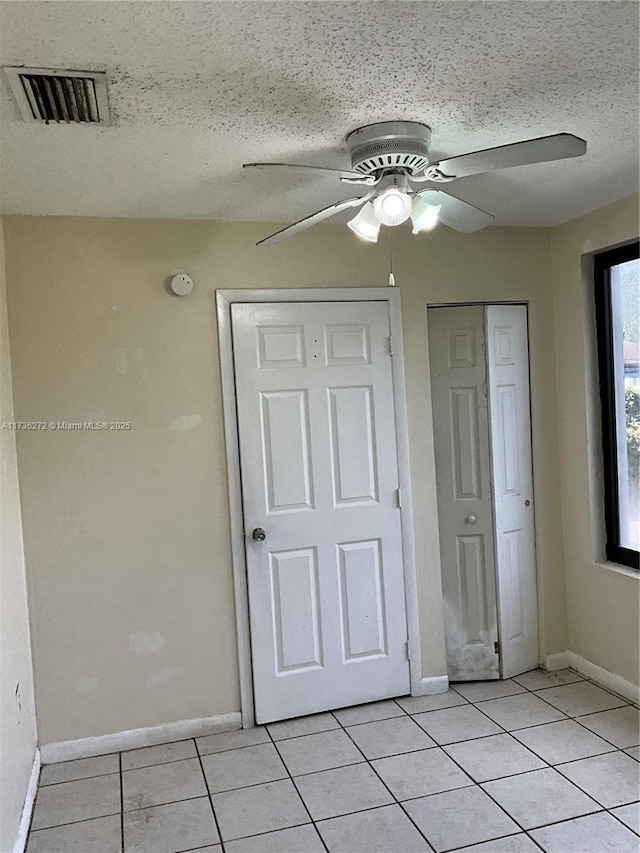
51, 95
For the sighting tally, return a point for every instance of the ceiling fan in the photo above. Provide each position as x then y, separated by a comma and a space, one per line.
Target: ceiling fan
391, 160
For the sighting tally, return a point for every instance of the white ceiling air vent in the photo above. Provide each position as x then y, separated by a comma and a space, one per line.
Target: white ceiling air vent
49, 94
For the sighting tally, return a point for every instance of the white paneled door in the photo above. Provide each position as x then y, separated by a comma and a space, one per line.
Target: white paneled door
463, 472
482, 434
509, 412
321, 505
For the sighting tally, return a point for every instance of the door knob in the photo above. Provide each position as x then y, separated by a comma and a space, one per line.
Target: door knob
259, 534
471, 519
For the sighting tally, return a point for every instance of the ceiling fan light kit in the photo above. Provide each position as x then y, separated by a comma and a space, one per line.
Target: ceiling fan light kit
391, 160
392, 206
424, 216
366, 224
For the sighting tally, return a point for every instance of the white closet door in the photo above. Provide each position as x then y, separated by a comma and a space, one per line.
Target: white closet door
463, 471
320, 476
509, 408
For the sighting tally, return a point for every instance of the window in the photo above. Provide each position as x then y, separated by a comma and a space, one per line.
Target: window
617, 283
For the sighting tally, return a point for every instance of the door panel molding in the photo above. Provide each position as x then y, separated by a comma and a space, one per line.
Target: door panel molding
349, 345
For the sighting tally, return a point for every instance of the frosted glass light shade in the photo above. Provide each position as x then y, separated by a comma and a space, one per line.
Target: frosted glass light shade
424, 216
392, 206
366, 225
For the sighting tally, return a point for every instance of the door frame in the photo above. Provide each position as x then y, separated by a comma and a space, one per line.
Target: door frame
224, 300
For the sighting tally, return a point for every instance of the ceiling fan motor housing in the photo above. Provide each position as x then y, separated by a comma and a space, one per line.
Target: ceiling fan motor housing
390, 145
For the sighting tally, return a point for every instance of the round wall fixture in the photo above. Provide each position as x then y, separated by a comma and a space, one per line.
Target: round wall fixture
180, 284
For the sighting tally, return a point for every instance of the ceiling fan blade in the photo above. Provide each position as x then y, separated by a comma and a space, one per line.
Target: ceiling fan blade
457, 214
542, 150
356, 177
308, 221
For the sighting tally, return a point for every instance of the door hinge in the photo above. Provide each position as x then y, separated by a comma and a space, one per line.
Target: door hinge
407, 650
496, 647
399, 497
390, 345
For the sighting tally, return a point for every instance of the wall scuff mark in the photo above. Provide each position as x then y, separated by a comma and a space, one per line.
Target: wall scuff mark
163, 676
146, 642
84, 685
121, 361
186, 423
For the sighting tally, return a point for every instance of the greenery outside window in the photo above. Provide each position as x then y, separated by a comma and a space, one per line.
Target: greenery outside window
617, 293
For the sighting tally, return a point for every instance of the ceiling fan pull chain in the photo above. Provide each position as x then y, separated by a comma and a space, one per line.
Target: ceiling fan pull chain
392, 280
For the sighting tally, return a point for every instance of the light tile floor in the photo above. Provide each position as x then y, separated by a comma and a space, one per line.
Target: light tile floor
542, 761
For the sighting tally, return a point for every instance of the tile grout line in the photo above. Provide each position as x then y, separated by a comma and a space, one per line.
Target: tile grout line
442, 747
265, 833
581, 678
82, 778
382, 719
504, 730
501, 838
121, 802
403, 714
82, 820
613, 749
537, 690
477, 785
474, 784
513, 696
512, 817
549, 766
293, 782
339, 724
314, 772
391, 794
586, 728
587, 757
576, 718
610, 811
156, 805
435, 745
568, 718
210, 797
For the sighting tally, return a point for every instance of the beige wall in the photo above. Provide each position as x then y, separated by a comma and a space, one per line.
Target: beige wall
17, 709
603, 604
127, 534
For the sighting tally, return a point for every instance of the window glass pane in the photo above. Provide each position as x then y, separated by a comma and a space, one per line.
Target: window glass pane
625, 305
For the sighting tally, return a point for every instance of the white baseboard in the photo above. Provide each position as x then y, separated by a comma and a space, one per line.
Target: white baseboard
52, 753
606, 679
430, 686
27, 810
558, 661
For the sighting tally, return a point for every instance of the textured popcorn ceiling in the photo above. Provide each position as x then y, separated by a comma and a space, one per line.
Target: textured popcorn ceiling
198, 88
